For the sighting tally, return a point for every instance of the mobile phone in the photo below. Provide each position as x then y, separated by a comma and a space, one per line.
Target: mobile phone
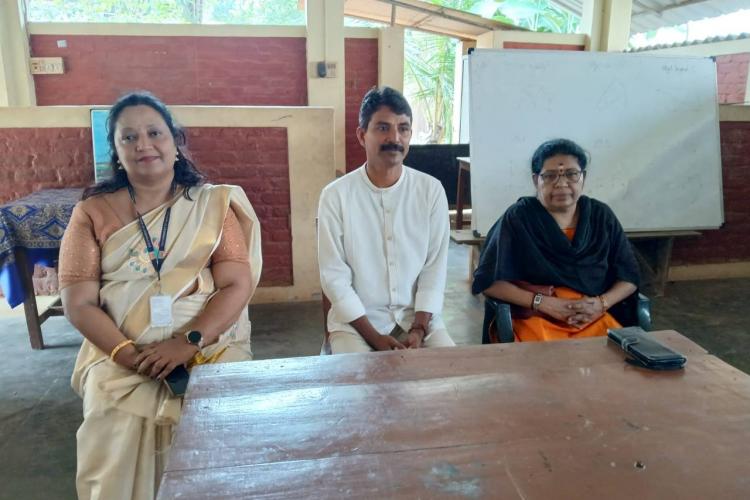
177, 381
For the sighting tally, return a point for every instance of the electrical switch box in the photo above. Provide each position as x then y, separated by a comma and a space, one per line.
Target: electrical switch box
47, 65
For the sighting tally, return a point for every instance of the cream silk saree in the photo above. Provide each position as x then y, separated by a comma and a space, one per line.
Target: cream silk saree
129, 418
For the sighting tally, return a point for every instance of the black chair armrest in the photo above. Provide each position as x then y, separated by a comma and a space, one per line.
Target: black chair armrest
498, 311
644, 312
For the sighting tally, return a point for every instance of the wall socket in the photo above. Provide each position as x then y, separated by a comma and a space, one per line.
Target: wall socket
325, 69
47, 65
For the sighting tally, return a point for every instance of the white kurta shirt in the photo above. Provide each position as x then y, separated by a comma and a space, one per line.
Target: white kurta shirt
383, 252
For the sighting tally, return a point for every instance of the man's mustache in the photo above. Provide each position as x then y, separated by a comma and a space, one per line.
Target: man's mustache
392, 147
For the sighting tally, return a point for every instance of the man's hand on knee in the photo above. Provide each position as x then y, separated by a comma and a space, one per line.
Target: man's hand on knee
415, 338
386, 343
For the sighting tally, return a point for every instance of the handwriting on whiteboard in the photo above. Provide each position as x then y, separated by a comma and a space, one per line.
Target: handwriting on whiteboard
674, 68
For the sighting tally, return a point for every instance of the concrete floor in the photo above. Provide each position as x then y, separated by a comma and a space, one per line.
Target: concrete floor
39, 413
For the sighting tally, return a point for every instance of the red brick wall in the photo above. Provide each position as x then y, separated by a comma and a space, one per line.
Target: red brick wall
253, 157
732, 241
180, 70
361, 56
541, 46
732, 77
257, 160
32, 159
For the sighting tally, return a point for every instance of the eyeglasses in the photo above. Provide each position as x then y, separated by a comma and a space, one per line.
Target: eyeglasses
572, 175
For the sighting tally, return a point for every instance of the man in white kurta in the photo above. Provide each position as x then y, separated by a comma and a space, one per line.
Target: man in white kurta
383, 234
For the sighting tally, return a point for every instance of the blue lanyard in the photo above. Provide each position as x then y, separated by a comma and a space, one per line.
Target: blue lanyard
157, 255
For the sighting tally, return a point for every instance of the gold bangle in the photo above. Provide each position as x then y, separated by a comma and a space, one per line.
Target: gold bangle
118, 347
605, 304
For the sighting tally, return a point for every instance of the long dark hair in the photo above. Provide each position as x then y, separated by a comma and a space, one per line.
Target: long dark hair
186, 174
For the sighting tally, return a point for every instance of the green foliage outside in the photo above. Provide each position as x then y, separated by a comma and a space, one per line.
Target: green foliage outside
535, 15
276, 12
429, 60
428, 81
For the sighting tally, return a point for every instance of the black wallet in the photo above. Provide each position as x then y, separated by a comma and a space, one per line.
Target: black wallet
644, 350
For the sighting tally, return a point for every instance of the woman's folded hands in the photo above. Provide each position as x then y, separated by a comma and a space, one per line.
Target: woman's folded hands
584, 311
157, 360
575, 312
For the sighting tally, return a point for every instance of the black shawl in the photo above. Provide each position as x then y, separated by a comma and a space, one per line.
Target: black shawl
526, 244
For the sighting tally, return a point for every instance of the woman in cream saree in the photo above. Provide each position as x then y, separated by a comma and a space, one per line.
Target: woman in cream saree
128, 417
150, 246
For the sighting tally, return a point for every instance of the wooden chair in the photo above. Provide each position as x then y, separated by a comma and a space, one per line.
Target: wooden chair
633, 311
326, 347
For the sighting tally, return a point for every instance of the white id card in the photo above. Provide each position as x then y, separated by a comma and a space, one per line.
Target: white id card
161, 310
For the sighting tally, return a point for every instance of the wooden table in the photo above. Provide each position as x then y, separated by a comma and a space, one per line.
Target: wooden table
526, 420
653, 249
31, 230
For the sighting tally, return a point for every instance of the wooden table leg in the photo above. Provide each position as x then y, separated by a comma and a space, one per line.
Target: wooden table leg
654, 256
459, 199
473, 260
29, 303
663, 259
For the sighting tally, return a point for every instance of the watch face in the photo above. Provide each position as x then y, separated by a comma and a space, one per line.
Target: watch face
194, 337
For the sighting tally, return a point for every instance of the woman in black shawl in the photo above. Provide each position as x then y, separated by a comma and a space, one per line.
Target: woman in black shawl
563, 258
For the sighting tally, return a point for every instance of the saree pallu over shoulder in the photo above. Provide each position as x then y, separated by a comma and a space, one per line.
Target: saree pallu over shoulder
128, 282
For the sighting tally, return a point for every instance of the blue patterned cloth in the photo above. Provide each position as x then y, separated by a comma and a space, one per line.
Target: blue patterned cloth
35, 223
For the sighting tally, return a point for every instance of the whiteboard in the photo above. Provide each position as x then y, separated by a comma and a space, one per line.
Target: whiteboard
463, 122
650, 124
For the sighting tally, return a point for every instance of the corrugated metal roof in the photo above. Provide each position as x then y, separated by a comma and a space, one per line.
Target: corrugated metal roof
652, 14
647, 14
713, 39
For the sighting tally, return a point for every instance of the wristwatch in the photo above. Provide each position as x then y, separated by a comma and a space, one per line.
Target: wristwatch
537, 301
194, 337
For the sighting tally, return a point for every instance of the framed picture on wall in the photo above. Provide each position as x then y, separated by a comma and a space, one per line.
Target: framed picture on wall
102, 153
